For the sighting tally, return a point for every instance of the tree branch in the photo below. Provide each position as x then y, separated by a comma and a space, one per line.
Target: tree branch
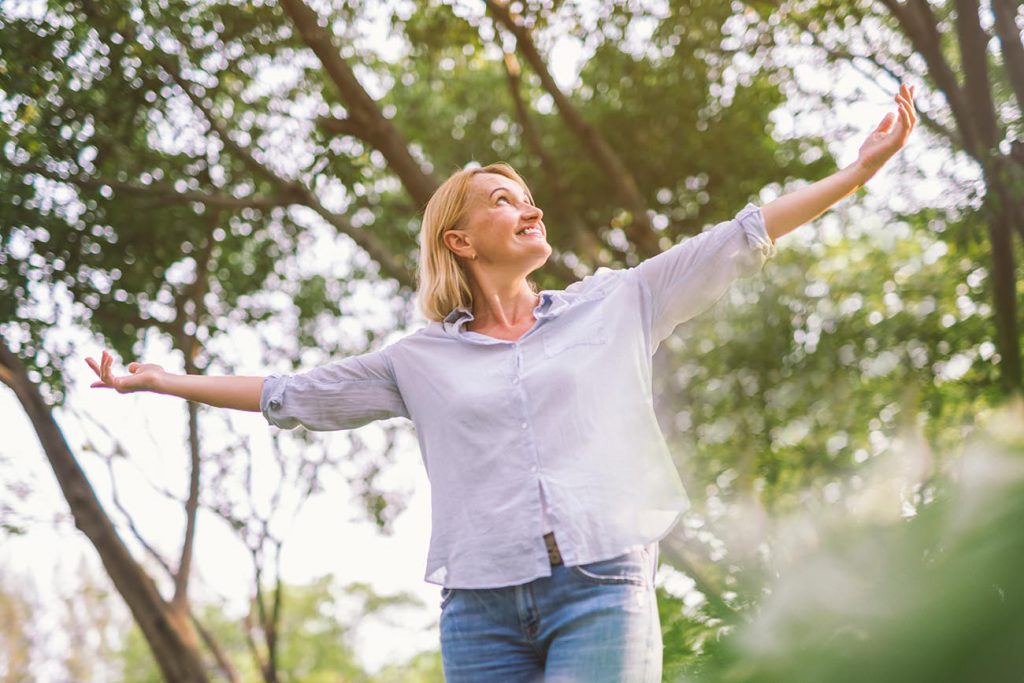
162, 192
1011, 43
219, 656
845, 55
1004, 283
347, 126
250, 642
1014, 169
372, 126
619, 177
108, 458
1004, 202
584, 240
274, 622
391, 265
268, 665
193, 296
919, 23
974, 57
181, 579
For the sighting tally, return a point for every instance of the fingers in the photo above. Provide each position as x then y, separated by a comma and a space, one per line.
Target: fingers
105, 364
892, 132
905, 101
886, 123
95, 368
102, 369
907, 117
906, 91
904, 116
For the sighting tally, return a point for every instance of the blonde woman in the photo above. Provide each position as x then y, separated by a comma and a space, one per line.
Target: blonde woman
551, 483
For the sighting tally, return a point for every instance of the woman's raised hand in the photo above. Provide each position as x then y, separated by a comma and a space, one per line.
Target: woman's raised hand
891, 134
788, 212
142, 377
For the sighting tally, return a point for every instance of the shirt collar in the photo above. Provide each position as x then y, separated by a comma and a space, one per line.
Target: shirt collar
454, 321
457, 314
461, 315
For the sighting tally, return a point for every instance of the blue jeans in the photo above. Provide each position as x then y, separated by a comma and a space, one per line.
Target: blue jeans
590, 623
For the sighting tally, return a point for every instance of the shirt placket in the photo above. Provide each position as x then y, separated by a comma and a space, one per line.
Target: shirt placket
541, 557
526, 426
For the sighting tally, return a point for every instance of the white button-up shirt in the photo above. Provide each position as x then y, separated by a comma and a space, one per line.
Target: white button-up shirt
556, 430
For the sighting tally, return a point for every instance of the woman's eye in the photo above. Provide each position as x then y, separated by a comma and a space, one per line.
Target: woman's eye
503, 199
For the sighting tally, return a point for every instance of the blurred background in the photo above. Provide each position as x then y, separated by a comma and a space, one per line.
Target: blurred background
236, 187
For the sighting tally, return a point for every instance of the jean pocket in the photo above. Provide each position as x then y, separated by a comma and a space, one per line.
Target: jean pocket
630, 568
446, 596
583, 326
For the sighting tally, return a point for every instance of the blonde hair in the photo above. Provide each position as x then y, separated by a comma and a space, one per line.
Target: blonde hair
442, 280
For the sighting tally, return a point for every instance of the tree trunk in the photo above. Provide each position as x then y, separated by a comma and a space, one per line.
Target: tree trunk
1000, 219
170, 637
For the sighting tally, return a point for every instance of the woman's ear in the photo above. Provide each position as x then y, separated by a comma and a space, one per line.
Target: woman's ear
458, 243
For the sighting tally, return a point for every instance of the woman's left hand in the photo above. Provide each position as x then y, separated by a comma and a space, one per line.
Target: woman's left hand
890, 135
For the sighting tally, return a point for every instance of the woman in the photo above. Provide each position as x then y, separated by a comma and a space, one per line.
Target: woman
551, 483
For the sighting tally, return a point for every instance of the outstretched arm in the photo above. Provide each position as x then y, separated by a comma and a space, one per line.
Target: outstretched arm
790, 211
239, 393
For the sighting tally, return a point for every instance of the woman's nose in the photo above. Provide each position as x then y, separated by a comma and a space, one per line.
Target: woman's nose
531, 210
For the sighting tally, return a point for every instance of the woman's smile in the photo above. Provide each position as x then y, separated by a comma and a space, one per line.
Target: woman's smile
531, 232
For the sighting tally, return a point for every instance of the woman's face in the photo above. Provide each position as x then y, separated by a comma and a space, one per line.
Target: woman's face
498, 211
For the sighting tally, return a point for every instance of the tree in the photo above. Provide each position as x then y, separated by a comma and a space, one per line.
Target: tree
973, 59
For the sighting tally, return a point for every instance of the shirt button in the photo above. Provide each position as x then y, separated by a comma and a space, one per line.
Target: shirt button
515, 380
533, 468
523, 425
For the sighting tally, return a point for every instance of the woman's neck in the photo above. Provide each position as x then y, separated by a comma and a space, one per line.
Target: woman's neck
503, 310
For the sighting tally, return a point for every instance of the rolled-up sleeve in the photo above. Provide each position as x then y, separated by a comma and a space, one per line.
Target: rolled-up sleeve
343, 395
688, 278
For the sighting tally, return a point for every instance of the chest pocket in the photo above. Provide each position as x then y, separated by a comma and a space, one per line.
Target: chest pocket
581, 326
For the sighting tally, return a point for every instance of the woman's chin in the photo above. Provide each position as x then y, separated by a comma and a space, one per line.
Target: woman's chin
543, 249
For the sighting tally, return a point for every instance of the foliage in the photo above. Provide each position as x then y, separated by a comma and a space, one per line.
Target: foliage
936, 597
317, 633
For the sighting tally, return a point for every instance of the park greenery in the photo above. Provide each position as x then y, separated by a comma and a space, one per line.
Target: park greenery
199, 171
